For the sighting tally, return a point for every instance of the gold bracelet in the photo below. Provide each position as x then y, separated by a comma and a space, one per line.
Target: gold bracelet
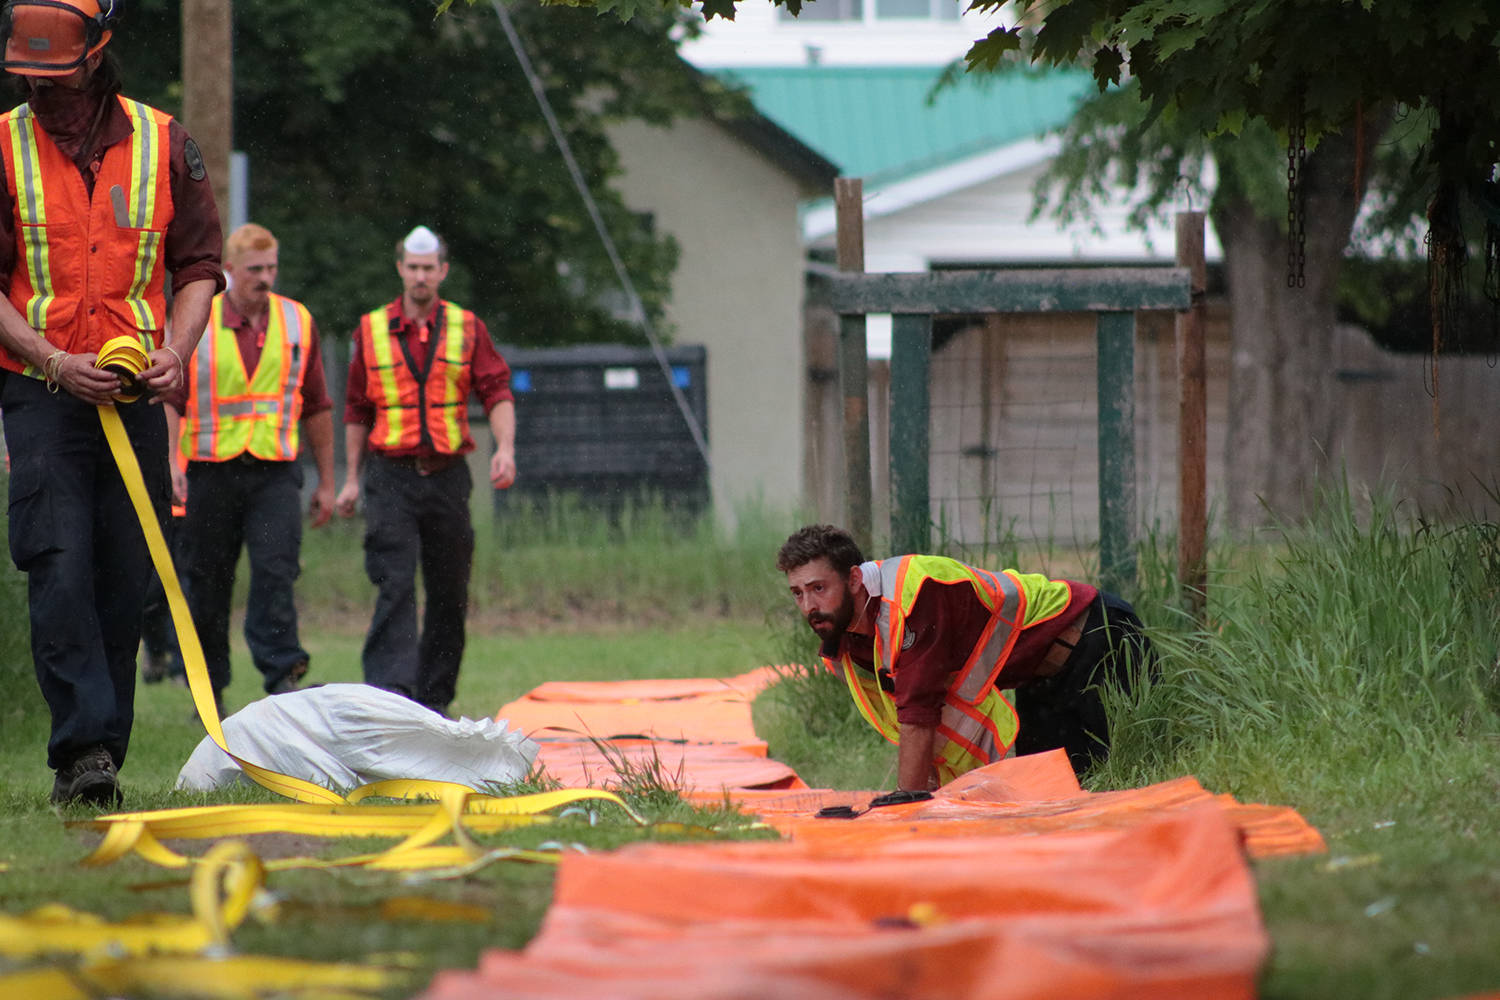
181, 368
52, 367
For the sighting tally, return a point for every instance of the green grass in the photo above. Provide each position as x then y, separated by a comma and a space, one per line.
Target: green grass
1351, 669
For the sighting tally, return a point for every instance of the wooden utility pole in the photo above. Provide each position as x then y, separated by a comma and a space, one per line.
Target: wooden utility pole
1192, 420
854, 363
208, 88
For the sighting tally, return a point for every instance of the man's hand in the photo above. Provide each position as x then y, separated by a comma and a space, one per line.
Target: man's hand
179, 484
347, 499
914, 768
321, 508
76, 373
164, 374
503, 469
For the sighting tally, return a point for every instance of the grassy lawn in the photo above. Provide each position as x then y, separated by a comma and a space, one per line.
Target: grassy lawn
1350, 671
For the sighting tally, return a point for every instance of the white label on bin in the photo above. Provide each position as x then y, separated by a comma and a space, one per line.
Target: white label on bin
622, 378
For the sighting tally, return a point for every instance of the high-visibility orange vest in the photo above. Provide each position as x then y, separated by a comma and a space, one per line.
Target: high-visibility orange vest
88, 269
416, 407
229, 411
977, 725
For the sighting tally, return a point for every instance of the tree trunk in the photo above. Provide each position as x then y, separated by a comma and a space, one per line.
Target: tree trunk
1281, 378
208, 90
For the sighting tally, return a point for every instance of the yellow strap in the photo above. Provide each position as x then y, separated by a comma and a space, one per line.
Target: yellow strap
126, 353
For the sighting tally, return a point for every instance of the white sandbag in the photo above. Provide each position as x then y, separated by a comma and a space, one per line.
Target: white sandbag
345, 735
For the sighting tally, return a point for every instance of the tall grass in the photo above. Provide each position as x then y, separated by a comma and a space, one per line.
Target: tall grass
567, 565
1365, 649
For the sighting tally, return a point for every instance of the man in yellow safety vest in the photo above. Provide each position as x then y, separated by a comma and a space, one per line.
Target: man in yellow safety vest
927, 644
256, 379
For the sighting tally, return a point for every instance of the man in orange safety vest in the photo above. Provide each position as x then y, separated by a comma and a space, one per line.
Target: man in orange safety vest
414, 365
103, 198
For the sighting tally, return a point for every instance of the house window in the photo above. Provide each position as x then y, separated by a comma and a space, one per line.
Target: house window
826, 10
926, 10
881, 10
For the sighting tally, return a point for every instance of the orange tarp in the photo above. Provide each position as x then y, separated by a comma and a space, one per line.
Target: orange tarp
1010, 883
700, 710
697, 730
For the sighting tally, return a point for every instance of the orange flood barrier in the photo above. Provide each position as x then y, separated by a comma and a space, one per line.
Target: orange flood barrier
697, 729
1010, 883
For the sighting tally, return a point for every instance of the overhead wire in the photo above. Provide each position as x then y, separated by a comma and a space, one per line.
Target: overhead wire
637, 309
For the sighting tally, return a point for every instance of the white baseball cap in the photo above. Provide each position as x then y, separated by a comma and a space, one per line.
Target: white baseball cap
420, 240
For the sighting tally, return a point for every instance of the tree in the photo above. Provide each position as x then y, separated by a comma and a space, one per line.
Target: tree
1221, 77
1280, 408
361, 122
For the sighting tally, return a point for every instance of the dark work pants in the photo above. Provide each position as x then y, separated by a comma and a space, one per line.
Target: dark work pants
258, 505
1066, 710
412, 520
158, 634
75, 535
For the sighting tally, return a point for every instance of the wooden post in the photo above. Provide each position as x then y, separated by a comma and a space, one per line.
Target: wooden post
208, 88
911, 359
854, 359
1192, 421
1116, 374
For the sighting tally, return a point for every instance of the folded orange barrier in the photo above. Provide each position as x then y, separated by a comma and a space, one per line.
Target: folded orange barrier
999, 799
696, 731
702, 771
700, 710
1162, 908
1010, 883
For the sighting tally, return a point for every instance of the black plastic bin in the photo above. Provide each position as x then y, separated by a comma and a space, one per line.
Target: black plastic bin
599, 421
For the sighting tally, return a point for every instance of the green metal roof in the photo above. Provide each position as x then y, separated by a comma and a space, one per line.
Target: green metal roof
877, 122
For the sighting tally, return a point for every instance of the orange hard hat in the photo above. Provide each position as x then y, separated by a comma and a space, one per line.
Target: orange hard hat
53, 37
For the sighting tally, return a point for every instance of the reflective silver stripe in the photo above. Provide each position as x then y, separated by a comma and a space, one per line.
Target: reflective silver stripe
204, 361
29, 179
146, 155
146, 151
291, 323
973, 732
980, 676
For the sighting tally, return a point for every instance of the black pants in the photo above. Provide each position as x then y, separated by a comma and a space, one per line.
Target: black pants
412, 520
258, 505
75, 535
1066, 710
158, 634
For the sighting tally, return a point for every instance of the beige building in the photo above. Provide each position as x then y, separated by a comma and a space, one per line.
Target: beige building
729, 192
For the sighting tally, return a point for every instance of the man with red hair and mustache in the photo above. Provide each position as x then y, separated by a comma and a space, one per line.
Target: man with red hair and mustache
257, 376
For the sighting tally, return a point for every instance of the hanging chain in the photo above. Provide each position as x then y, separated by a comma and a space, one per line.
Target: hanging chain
1296, 199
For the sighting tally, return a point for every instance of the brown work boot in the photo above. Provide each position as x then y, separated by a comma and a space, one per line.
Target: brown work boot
91, 779
292, 681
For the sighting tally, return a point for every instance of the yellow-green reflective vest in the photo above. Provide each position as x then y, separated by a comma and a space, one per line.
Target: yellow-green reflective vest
230, 411
977, 725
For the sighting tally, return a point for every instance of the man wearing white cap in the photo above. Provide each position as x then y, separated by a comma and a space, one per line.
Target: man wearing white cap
415, 363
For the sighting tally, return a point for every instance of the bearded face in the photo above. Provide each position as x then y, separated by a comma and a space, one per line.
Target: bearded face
823, 596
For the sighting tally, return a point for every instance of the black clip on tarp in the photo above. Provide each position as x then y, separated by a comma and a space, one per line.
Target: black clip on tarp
896, 798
